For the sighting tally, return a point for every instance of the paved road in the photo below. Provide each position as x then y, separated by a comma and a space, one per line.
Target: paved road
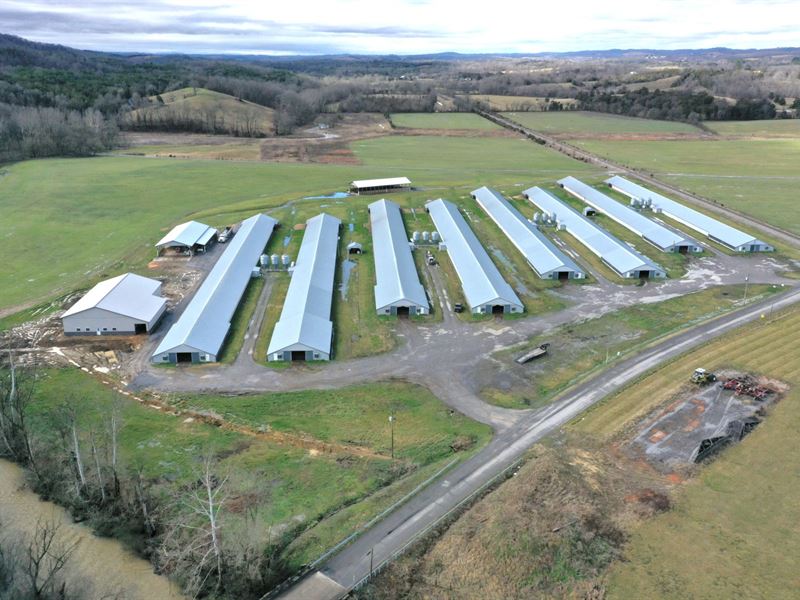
692, 198
402, 526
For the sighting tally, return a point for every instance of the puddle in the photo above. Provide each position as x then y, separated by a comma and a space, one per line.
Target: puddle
351, 226
334, 196
286, 240
347, 267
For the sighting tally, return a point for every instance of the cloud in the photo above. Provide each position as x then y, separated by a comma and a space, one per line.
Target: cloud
400, 26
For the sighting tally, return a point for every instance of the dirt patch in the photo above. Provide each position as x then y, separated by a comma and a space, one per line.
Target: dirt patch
674, 438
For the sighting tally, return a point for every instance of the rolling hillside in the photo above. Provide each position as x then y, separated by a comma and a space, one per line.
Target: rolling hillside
199, 110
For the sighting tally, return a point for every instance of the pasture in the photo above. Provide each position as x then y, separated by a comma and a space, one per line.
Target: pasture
734, 516
517, 103
100, 216
579, 124
451, 120
756, 176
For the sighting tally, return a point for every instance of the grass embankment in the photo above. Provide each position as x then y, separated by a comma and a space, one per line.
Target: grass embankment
287, 486
443, 121
580, 348
581, 123
731, 532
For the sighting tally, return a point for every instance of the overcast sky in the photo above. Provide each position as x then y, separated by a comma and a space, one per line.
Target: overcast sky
401, 26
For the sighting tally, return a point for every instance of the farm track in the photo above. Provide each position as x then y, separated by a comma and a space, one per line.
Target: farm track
588, 157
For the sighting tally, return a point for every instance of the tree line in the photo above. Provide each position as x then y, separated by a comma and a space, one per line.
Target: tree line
76, 460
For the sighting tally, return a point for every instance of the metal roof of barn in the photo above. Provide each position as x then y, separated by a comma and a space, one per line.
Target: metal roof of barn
395, 271
481, 281
305, 318
130, 295
621, 257
207, 318
387, 181
539, 251
187, 234
730, 236
659, 235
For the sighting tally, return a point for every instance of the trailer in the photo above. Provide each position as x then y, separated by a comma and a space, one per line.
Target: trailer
535, 353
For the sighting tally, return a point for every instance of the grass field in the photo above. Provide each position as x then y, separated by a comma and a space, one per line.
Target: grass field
199, 103
100, 216
585, 124
732, 531
442, 121
293, 485
516, 103
774, 128
758, 177
581, 348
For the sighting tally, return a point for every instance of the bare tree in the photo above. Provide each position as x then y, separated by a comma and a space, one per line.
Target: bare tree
193, 548
44, 559
16, 392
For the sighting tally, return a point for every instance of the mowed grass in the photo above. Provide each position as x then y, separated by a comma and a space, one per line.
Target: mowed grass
582, 123
578, 349
767, 129
358, 415
756, 176
732, 531
290, 488
451, 120
72, 222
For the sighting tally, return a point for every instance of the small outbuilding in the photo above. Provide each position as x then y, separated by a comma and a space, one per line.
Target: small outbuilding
188, 237
380, 186
124, 305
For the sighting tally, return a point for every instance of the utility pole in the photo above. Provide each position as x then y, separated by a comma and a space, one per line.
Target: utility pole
746, 280
391, 425
371, 553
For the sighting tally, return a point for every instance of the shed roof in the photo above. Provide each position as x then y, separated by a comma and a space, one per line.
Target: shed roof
655, 233
395, 271
387, 181
480, 279
207, 318
619, 255
130, 295
187, 234
539, 251
306, 314
730, 236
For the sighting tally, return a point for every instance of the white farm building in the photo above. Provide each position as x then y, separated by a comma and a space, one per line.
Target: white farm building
122, 305
398, 290
305, 330
386, 185
484, 287
188, 237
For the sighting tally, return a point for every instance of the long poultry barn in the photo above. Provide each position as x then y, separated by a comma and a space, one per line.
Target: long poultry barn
542, 255
484, 287
623, 259
398, 290
305, 330
730, 237
660, 236
200, 332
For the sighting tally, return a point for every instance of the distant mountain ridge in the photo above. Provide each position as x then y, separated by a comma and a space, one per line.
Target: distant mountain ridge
29, 53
